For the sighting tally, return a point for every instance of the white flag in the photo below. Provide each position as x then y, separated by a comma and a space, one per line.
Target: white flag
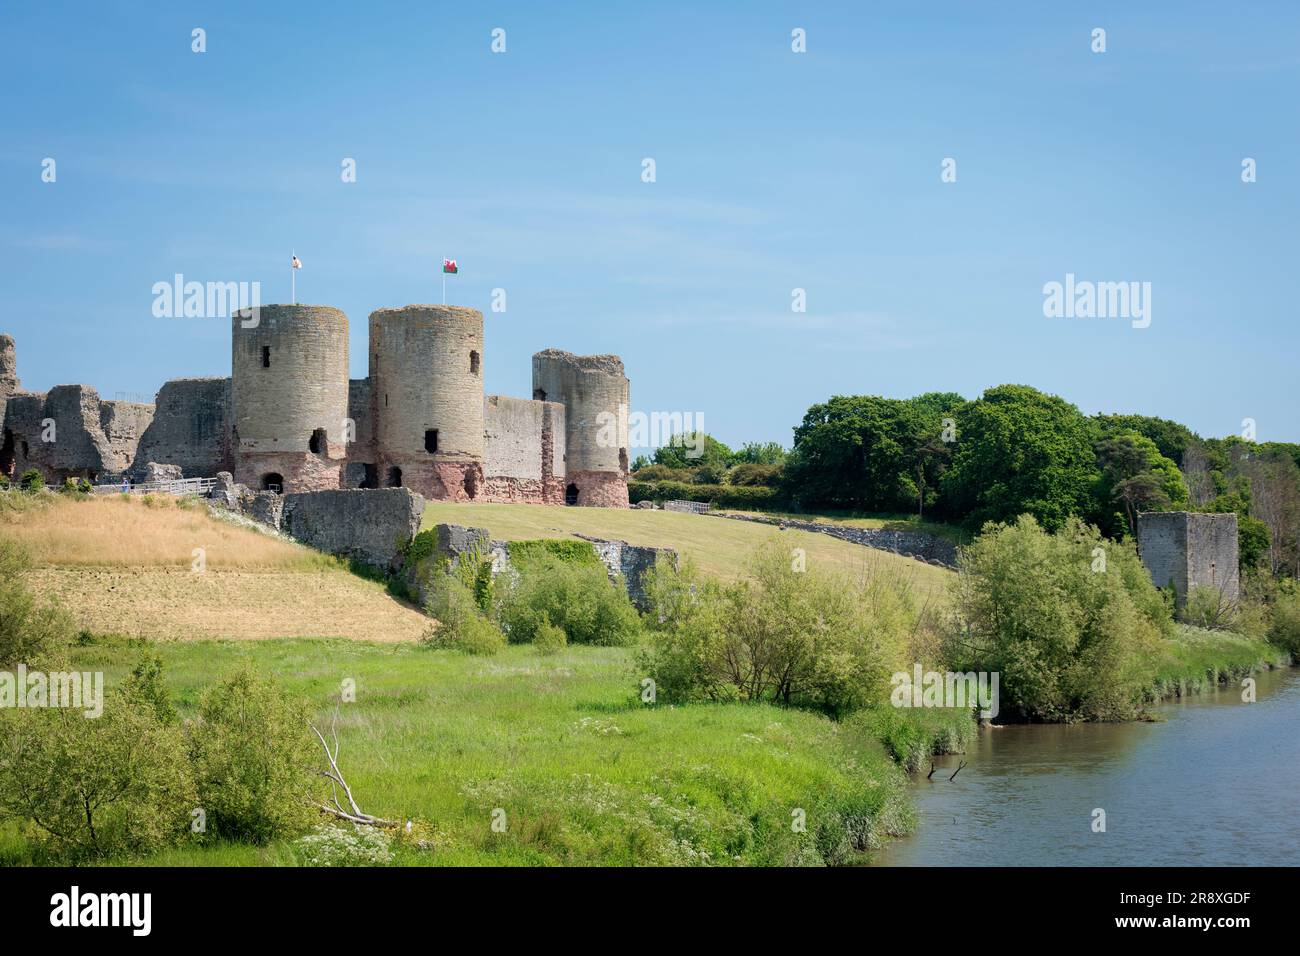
297, 263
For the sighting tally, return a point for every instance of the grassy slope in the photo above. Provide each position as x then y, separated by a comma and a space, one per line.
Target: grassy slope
585, 772
1196, 659
899, 522
719, 546
123, 567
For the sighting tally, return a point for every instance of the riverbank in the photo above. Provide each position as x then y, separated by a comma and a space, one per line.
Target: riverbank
1214, 782
1197, 660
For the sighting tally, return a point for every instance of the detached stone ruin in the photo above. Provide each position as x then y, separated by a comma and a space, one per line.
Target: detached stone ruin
1184, 550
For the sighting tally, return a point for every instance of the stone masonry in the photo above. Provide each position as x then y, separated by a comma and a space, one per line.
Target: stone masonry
1183, 550
289, 419
373, 527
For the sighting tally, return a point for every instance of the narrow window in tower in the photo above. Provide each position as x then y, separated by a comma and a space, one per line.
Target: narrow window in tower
473, 363
539, 394
266, 356
318, 442
431, 440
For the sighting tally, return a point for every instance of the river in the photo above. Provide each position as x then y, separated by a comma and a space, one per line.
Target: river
1216, 783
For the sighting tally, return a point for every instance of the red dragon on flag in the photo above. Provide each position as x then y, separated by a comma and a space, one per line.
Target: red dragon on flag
449, 266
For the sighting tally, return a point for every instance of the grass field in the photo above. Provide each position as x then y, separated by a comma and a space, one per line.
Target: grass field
883, 522
584, 772
122, 567
719, 546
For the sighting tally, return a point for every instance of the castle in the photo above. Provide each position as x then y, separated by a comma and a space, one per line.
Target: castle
288, 419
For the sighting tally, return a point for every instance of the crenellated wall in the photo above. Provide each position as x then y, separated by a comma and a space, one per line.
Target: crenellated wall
288, 416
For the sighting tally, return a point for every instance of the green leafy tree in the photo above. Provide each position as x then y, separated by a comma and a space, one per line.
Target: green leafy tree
1171, 438
755, 453
1136, 476
1071, 621
253, 758
116, 784
858, 452
681, 451
1020, 451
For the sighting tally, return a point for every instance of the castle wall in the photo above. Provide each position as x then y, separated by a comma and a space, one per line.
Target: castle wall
190, 428
69, 432
289, 385
8, 372
426, 379
361, 450
1184, 550
595, 393
372, 527
523, 456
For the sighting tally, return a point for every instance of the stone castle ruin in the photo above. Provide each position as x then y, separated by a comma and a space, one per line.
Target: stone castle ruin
288, 419
1184, 550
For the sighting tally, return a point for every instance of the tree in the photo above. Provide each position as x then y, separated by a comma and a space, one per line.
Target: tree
1275, 499
691, 450
1071, 636
858, 452
754, 453
1171, 438
1020, 451
1134, 473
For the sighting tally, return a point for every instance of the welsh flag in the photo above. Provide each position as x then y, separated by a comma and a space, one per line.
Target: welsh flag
449, 266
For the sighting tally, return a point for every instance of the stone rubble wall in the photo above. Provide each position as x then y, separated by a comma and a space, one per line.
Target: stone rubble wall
190, 428
626, 564
921, 545
92, 438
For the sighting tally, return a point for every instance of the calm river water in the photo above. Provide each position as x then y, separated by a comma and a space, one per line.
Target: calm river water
1216, 783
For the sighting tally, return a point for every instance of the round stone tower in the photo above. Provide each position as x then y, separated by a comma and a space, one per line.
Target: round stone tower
289, 397
426, 390
594, 391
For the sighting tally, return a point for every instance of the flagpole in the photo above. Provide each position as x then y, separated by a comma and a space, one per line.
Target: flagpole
444, 280
293, 278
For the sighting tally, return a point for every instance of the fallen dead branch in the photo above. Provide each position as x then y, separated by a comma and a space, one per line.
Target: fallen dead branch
337, 780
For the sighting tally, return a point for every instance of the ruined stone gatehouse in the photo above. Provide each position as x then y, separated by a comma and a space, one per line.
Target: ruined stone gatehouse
288, 419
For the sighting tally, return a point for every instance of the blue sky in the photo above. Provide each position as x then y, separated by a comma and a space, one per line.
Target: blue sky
774, 171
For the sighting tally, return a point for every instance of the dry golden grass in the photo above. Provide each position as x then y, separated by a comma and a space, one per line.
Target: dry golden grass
719, 546
127, 533
123, 567
244, 605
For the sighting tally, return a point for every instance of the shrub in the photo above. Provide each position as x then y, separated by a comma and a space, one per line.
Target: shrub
253, 758
1284, 631
150, 500
661, 473
754, 475
1209, 608
76, 488
336, 845
460, 623
804, 638
756, 498
31, 480
28, 631
1070, 621
549, 638
539, 552
95, 787
578, 598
